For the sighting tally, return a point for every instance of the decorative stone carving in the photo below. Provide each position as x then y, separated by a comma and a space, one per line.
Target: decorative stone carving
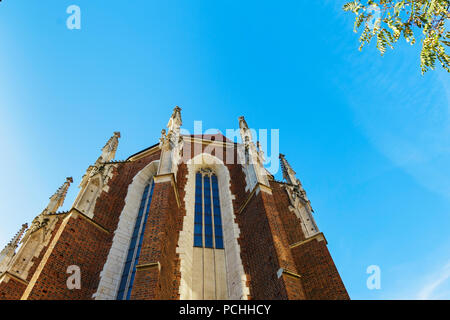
57, 200
39, 233
10, 249
110, 148
289, 176
253, 159
299, 201
206, 171
96, 178
171, 143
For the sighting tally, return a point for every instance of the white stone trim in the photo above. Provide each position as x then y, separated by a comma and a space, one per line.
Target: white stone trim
112, 270
250, 177
32, 246
309, 226
236, 278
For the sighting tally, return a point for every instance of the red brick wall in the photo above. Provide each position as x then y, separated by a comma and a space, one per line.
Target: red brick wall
37, 260
291, 223
147, 285
320, 276
225, 154
14, 294
264, 245
110, 204
264, 250
82, 244
258, 254
237, 178
294, 286
159, 245
85, 245
11, 290
267, 226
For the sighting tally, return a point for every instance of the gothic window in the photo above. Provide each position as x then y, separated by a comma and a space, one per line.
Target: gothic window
126, 283
207, 219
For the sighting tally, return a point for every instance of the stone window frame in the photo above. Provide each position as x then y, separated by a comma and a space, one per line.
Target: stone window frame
140, 224
111, 274
237, 284
205, 173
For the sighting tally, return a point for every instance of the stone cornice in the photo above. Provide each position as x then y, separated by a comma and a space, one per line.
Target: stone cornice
13, 276
319, 237
291, 274
156, 147
148, 266
74, 212
144, 153
115, 162
258, 187
210, 142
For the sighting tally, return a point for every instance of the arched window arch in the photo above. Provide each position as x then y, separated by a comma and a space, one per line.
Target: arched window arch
208, 231
129, 271
210, 273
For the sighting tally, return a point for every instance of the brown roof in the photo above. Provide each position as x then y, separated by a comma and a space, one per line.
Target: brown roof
212, 137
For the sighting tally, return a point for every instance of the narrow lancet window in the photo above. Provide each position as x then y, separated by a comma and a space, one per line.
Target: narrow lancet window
126, 283
198, 220
207, 219
218, 236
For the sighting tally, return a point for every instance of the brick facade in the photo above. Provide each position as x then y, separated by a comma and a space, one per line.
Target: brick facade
278, 260
320, 276
157, 271
81, 243
11, 288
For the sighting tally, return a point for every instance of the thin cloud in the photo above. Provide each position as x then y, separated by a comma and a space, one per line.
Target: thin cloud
429, 291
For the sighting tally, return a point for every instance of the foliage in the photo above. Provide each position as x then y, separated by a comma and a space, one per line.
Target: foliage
389, 20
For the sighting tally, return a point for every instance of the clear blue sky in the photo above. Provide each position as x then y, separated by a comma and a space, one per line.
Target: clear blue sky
368, 135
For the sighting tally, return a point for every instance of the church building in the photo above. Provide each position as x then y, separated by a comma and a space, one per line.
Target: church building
191, 217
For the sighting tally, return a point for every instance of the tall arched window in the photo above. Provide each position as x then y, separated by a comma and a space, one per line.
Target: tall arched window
208, 265
208, 222
126, 283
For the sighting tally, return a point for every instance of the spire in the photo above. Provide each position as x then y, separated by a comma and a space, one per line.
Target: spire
14, 243
10, 249
289, 175
288, 172
110, 148
108, 154
170, 143
163, 136
253, 159
169, 139
246, 134
57, 200
175, 120
174, 125
299, 199
242, 123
